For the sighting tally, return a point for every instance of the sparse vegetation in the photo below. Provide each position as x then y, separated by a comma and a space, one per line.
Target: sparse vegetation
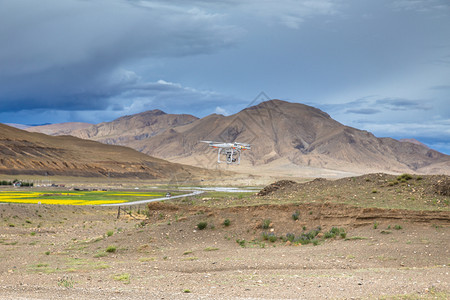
125, 278
66, 282
109, 233
111, 249
202, 225
227, 222
266, 224
398, 227
295, 215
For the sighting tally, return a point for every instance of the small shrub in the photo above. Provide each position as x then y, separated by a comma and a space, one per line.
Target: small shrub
404, 177
315, 242
375, 225
397, 227
343, 234
110, 233
47, 252
295, 215
272, 238
66, 282
111, 249
265, 236
226, 223
329, 235
202, 225
32, 233
266, 224
290, 237
241, 243
186, 291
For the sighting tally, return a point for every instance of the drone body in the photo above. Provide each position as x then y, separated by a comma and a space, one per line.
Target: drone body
231, 151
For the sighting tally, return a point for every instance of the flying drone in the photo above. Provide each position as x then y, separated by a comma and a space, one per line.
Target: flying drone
231, 151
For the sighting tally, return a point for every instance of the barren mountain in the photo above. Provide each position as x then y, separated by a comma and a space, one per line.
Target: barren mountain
22, 152
127, 129
289, 139
286, 134
58, 129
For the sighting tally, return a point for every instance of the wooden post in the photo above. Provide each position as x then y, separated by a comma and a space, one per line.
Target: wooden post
118, 213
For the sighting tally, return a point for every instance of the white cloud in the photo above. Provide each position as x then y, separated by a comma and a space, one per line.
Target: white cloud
221, 111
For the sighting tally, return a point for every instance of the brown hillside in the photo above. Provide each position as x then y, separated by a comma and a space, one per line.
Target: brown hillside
59, 129
23, 152
127, 129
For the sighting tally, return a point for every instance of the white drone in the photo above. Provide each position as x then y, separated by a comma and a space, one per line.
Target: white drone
231, 151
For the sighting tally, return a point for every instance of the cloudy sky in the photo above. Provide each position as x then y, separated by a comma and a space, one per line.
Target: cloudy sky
377, 65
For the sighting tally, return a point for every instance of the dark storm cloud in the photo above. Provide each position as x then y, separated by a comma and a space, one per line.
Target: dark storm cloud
364, 111
402, 104
61, 54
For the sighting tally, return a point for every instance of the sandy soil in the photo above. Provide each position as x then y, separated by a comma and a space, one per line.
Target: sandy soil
59, 252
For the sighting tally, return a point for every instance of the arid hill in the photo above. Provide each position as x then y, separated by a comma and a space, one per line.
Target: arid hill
58, 129
289, 139
22, 152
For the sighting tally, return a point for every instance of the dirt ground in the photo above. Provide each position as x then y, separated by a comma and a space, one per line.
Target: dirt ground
60, 252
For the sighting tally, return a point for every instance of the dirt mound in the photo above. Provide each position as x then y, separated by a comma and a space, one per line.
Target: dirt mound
415, 192
442, 186
275, 186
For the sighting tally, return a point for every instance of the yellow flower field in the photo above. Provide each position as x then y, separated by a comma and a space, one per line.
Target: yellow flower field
73, 198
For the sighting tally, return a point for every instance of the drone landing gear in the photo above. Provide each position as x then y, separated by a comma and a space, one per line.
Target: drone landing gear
232, 156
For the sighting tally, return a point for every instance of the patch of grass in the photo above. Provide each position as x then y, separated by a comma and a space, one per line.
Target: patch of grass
398, 227
385, 232
227, 222
124, 277
146, 259
32, 233
202, 225
66, 282
47, 252
375, 225
111, 249
109, 233
192, 258
266, 224
210, 249
187, 252
186, 291
404, 177
295, 215
100, 254
353, 238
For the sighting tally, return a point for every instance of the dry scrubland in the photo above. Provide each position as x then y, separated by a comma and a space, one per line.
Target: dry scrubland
374, 236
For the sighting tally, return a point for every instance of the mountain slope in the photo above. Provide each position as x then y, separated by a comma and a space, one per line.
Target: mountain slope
58, 129
287, 138
23, 152
300, 134
127, 129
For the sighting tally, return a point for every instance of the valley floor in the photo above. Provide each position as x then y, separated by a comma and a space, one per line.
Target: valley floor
67, 252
